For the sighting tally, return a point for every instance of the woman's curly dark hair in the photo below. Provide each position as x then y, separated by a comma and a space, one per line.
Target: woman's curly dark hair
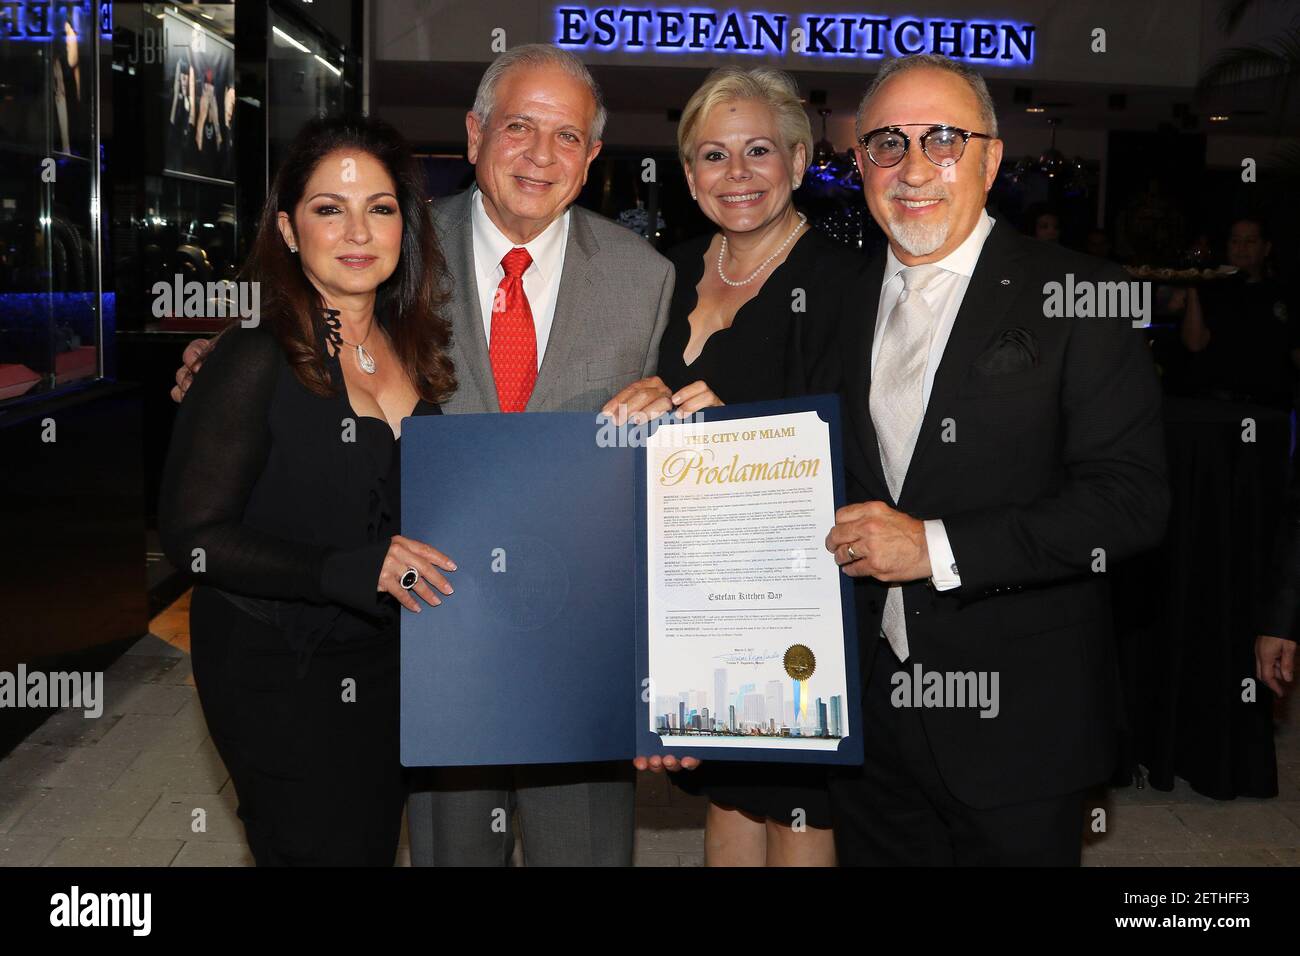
409, 302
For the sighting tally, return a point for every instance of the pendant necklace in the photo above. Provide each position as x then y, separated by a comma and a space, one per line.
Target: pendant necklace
364, 360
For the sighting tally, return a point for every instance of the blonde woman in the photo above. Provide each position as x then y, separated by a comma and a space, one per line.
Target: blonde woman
752, 312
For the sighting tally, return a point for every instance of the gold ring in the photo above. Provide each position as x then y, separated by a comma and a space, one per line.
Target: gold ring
852, 554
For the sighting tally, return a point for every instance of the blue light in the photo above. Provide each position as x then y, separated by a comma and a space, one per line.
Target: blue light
670, 30
661, 30
40, 309
41, 21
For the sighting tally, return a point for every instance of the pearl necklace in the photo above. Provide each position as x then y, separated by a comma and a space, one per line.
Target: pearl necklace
722, 251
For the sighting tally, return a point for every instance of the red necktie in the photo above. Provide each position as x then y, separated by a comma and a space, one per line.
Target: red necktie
513, 349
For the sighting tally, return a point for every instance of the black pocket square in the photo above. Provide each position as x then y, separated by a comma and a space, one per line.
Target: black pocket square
1015, 351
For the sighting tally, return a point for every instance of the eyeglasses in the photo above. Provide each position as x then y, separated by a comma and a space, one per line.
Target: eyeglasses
942, 145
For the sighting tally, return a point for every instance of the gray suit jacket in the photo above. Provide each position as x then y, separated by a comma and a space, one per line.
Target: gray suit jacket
609, 316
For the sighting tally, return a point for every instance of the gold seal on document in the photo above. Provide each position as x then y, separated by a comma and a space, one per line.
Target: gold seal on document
799, 662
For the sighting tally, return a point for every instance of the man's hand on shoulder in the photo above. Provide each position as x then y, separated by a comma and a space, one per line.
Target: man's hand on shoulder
191, 362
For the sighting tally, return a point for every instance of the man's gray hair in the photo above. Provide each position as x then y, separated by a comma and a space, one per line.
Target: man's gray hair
533, 55
936, 62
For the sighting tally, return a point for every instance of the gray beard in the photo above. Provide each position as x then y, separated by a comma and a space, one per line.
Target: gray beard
919, 239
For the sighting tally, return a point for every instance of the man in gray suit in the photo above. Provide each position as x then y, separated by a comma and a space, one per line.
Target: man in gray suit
553, 308
597, 293
597, 296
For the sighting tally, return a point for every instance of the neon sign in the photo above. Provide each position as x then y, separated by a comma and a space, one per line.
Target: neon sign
697, 30
44, 19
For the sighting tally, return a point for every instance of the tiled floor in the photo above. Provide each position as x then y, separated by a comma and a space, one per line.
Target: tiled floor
143, 785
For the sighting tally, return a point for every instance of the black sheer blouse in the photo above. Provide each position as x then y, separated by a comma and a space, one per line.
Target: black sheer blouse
779, 339
281, 499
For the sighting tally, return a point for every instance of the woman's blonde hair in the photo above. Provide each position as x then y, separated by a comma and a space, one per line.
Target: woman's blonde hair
773, 88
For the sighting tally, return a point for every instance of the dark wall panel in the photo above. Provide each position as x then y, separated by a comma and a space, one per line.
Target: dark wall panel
72, 562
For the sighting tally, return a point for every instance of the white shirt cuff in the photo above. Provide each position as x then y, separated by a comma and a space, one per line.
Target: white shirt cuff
943, 566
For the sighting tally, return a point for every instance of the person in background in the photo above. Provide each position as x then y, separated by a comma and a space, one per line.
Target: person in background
1047, 226
1279, 628
1097, 244
1275, 661
1250, 344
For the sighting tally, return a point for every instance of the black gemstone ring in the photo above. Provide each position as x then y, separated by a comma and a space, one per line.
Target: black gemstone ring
410, 579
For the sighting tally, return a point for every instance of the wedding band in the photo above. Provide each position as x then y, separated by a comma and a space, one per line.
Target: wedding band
410, 579
852, 554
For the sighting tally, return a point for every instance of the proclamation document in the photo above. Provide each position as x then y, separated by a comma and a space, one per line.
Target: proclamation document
662, 588
746, 626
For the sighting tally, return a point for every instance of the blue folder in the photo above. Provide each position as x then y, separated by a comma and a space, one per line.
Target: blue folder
541, 654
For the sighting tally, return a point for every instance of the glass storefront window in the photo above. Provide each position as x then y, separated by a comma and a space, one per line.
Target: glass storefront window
174, 149
137, 103
53, 314
305, 79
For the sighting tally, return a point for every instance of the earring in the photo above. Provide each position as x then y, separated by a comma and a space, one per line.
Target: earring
293, 249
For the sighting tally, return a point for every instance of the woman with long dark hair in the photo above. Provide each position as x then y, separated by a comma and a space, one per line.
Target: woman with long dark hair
281, 496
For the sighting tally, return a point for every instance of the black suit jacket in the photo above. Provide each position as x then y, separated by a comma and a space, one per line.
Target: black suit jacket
1041, 443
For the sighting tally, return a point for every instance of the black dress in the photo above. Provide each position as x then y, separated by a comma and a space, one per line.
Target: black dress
1252, 334
776, 343
282, 504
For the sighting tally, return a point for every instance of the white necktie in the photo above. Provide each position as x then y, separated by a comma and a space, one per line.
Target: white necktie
897, 406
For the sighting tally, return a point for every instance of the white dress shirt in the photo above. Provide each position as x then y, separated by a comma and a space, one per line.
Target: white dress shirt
943, 295
541, 278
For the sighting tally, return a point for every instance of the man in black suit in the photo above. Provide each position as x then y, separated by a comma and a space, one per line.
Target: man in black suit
1002, 454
